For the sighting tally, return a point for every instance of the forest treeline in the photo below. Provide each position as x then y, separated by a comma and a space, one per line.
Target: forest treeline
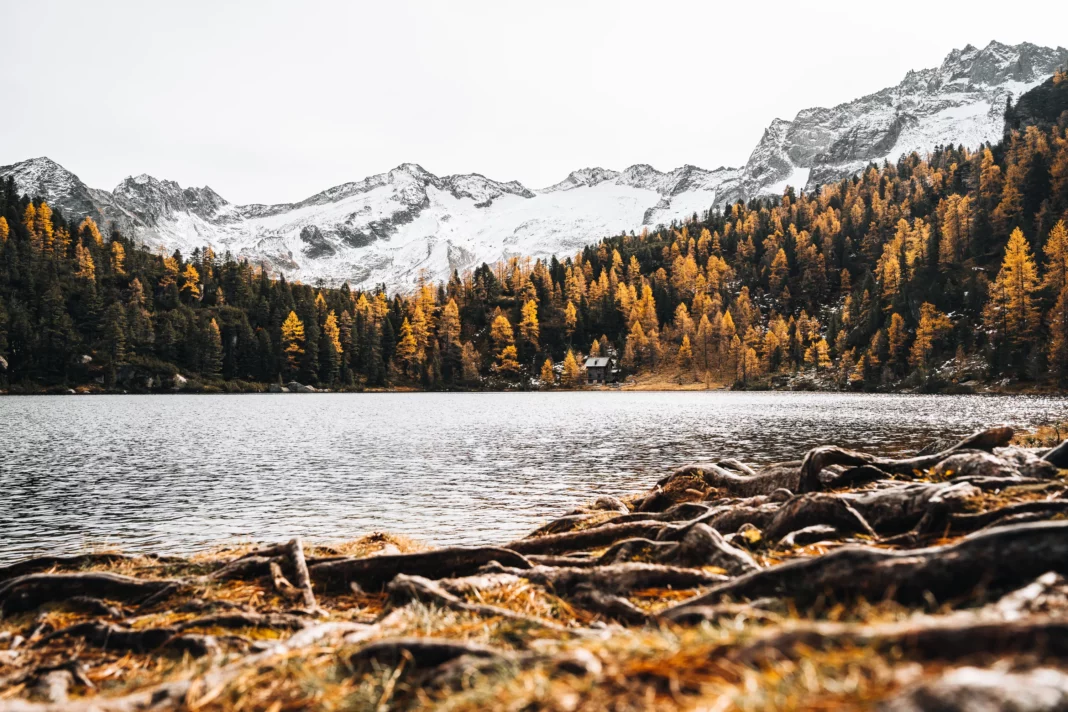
932, 270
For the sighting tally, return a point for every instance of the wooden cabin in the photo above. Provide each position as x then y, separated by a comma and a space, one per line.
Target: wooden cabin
598, 369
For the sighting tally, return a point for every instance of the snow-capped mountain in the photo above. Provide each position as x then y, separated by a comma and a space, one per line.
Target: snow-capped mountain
960, 102
391, 226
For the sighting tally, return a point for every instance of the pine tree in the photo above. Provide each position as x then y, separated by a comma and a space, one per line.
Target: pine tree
213, 350
114, 338
292, 343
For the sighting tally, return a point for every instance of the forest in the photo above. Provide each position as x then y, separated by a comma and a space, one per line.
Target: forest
931, 273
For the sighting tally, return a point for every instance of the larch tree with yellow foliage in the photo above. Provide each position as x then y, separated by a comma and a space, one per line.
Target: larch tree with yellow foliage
1058, 332
548, 377
932, 327
684, 358
407, 349
190, 290
292, 343
529, 330
1011, 312
570, 374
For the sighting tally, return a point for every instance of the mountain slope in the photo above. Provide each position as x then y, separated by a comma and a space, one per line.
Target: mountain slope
390, 227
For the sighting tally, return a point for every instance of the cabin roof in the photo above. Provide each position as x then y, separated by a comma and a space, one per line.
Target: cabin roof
597, 362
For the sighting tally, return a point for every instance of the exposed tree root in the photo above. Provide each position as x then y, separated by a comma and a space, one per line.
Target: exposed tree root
995, 559
45, 563
617, 578
113, 637
820, 458
25, 593
946, 640
422, 652
373, 573
587, 539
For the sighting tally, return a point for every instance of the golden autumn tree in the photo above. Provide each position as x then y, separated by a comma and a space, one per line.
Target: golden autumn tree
5, 230
86, 266
407, 353
528, 325
684, 358
508, 362
190, 283
332, 332
571, 318
118, 258
90, 229
469, 363
1012, 310
1056, 251
933, 326
292, 342
548, 378
897, 339
570, 375
449, 327
1058, 332
501, 333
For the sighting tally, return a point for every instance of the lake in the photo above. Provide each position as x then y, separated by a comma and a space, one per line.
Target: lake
181, 473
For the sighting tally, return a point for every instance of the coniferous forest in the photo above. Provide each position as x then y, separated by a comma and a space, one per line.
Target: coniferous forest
930, 273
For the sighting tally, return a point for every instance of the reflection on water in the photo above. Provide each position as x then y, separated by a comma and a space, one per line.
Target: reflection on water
186, 472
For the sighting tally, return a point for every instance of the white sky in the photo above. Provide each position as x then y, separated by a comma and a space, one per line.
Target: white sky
274, 101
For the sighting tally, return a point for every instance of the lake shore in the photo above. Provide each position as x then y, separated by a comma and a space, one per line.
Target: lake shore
840, 580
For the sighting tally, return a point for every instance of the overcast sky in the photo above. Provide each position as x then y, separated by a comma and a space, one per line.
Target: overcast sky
275, 101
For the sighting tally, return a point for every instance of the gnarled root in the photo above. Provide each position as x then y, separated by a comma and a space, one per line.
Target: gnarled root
995, 559
373, 573
24, 593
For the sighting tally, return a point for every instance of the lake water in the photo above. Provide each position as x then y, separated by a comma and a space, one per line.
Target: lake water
179, 473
